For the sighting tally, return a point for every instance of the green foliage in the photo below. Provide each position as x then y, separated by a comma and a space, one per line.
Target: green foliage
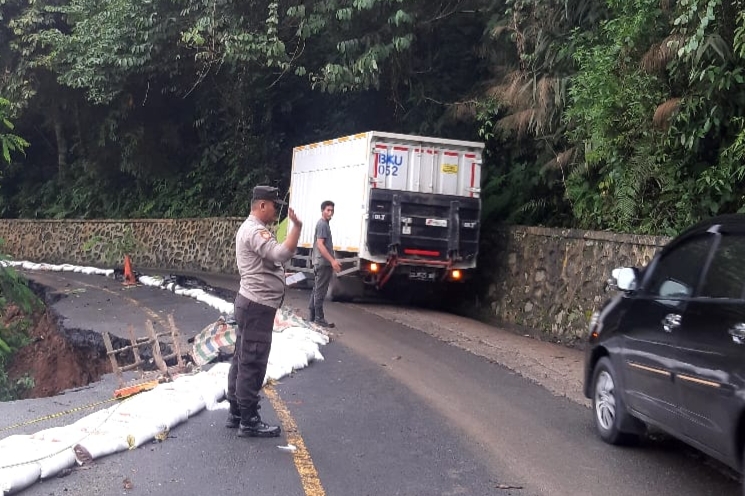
14, 288
14, 291
612, 100
596, 113
12, 390
8, 142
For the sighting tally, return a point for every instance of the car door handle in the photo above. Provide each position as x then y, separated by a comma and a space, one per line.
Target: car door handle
737, 332
671, 322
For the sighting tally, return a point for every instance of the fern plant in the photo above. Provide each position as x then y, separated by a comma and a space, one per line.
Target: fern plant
8, 142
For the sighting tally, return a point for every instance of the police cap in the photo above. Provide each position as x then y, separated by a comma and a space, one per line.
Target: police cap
267, 193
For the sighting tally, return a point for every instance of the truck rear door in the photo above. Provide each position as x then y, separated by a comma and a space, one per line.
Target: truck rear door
424, 203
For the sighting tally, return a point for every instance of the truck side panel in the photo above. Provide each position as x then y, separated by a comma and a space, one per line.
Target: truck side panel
426, 168
334, 170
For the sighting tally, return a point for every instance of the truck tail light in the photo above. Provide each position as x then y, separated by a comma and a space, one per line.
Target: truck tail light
422, 253
456, 275
374, 268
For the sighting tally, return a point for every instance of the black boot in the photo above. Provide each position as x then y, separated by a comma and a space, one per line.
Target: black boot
234, 416
251, 425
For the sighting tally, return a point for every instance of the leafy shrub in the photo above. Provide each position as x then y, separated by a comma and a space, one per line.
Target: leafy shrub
14, 293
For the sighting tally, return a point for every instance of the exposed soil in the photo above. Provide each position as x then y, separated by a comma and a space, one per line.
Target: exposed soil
51, 360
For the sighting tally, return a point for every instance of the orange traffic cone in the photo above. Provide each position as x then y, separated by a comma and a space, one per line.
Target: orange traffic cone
129, 277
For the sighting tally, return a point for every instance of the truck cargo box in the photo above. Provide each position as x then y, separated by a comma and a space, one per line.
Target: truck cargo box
413, 198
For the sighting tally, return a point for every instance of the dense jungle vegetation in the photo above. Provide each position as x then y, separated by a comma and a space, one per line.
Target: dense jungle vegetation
601, 114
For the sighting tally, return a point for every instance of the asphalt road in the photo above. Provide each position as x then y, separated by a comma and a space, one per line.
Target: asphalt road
391, 411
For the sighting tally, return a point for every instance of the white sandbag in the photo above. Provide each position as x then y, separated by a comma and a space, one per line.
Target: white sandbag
219, 371
190, 388
17, 478
91, 422
195, 293
104, 443
276, 371
285, 351
17, 449
213, 394
222, 405
67, 434
160, 413
194, 403
302, 342
140, 434
50, 456
150, 281
62, 457
307, 334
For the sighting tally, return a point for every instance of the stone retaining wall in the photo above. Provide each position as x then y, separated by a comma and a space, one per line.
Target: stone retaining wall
549, 280
179, 244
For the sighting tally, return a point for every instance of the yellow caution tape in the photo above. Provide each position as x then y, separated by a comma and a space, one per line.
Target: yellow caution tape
56, 415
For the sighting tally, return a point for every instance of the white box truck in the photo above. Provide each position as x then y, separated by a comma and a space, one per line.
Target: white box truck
407, 208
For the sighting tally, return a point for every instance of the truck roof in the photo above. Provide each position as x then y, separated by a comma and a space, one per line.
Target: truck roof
398, 137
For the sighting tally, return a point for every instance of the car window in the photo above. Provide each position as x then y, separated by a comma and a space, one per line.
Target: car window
726, 275
674, 289
676, 274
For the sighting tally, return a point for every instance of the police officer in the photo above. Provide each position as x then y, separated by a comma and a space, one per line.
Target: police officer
260, 257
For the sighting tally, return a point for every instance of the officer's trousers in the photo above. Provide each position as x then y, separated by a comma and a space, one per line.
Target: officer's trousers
255, 324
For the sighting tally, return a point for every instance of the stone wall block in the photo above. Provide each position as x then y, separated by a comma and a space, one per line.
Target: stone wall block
556, 278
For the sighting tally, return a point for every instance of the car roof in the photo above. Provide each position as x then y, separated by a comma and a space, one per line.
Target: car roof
730, 223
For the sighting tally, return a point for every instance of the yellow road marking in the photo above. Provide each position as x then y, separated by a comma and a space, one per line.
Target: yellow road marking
303, 463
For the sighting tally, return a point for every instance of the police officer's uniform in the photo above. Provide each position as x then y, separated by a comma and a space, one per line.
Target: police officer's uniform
259, 257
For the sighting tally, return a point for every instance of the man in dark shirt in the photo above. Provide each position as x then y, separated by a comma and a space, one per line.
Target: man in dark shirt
324, 264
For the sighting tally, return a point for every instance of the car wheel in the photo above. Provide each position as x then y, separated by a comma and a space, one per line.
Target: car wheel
608, 407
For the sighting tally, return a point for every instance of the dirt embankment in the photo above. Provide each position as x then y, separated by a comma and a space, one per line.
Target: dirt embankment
51, 359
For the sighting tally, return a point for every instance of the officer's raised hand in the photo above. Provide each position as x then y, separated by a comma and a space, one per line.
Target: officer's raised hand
293, 217
293, 234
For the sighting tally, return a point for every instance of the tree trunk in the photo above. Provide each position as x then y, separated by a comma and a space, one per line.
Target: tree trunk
59, 133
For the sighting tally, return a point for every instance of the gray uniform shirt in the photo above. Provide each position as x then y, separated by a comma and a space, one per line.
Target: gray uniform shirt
260, 258
323, 231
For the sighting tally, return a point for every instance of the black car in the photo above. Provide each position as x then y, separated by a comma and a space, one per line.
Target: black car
669, 349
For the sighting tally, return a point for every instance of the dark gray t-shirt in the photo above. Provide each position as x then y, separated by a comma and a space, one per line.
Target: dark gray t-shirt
323, 231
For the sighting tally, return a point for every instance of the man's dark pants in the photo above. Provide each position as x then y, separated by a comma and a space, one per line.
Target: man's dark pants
323, 274
252, 346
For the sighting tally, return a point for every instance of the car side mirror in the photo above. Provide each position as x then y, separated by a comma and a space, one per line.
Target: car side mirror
624, 279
